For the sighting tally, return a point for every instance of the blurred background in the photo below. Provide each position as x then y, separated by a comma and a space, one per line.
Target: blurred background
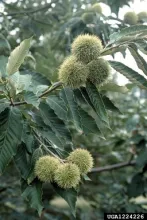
118, 182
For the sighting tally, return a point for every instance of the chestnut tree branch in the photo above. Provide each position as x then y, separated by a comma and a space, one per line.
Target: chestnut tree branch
47, 6
113, 167
52, 88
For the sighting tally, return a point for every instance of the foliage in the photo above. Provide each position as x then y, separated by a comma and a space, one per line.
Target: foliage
40, 116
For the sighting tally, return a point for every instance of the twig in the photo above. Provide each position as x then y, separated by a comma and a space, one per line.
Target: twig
52, 88
47, 6
113, 167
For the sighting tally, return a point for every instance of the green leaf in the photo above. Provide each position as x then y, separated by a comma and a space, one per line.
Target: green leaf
4, 44
17, 56
131, 74
36, 155
27, 138
33, 194
87, 111
58, 106
89, 124
52, 139
21, 161
136, 187
20, 82
38, 79
67, 96
113, 50
142, 158
3, 105
114, 88
110, 105
141, 63
69, 195
31, 98
97, 102
57, 125
3, 63
10, 135
142, 45
132, 30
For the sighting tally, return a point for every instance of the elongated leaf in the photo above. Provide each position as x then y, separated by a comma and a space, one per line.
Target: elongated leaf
57, 125
89, 125
67, 96
97, 102
31, 98
87, 111
36, 155
131, 74
17, 56
142, 45
132, 30
3, 63
3, 105
27, 138
33, 194
20, 82
69, 195
58, 106
10, 135
137, 186
4, 44
52, 139
111, 86
110, 105
21, 161
38, 79
141, 63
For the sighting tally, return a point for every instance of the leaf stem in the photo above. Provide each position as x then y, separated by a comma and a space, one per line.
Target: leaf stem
52, 88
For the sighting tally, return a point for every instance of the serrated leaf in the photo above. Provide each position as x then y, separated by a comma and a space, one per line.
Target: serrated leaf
56, 124
20, 82
33, 194
27, 138
52, 139
141, 63
89, 124
97, 102
136, 187
58, 106
4, 44
67, 96
110, 105
132, 30
10, 135
114, 88
3, 105
131, 74
86, 105
69, 195
112, 50
31, 98
36, 155
3, 63
142, 45
38, 79
21, 161
142, 158
17, 56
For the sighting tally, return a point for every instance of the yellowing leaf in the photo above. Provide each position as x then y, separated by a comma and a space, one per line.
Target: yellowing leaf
17, 56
